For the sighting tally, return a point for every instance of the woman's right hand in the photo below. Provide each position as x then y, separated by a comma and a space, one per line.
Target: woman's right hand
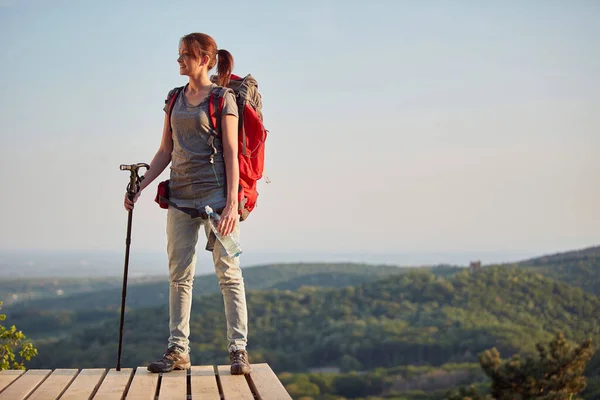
129, 203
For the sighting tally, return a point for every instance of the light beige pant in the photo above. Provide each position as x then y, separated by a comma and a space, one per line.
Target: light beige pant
182, 237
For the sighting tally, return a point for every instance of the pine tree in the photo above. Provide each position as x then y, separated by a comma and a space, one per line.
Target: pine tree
469, 393
555, 374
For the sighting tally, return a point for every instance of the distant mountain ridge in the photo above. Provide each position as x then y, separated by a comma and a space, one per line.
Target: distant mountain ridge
62, 313
579, 268
154, 290
103, 264
584, 253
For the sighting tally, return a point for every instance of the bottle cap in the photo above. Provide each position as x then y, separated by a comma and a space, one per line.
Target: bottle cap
208, 210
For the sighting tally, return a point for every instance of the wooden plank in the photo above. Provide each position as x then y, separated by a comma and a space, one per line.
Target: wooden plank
114, 384
46, 384
204, 383
8, 376
84, 384
143, 385
234, 387
267, 384
25, 385
54, 385
173, 385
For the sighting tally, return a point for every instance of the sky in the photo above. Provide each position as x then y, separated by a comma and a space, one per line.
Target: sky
394, 126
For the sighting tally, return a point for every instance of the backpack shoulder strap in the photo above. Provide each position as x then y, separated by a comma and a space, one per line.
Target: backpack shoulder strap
170, 101
215, 107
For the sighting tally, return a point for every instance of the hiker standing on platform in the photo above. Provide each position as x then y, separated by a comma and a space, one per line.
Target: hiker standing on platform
204, 171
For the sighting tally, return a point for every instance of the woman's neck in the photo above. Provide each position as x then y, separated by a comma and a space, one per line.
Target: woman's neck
199, 83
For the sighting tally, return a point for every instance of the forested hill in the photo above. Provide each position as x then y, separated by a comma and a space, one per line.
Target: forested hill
155, 292
414, 318
579, 268
581, 254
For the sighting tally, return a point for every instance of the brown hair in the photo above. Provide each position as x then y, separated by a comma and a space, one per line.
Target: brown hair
201, 44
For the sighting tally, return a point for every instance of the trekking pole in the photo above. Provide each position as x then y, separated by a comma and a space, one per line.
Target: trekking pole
132, 188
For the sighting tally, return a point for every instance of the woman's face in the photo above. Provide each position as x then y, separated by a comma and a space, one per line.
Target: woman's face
187, 63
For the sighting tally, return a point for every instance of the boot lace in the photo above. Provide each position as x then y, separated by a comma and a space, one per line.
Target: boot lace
239, 357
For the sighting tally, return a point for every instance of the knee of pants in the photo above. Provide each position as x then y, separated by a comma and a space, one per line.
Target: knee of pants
182, 283
227, 268
229, 275
230, 283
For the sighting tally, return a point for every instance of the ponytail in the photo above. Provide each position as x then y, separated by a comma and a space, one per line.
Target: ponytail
224, 67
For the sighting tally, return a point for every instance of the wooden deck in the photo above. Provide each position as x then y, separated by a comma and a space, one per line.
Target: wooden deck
198, 382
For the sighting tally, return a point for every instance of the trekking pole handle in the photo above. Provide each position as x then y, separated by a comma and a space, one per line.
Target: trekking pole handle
134, 167
134, 178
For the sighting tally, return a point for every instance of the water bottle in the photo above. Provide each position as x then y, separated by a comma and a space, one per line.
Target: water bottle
232, 247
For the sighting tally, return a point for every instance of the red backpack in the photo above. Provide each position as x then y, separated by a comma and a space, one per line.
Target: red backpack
251, 138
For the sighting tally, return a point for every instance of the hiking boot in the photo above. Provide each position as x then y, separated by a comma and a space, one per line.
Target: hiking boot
239, 362
172, 359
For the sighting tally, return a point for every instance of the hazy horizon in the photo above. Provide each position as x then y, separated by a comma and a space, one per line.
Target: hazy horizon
80, 264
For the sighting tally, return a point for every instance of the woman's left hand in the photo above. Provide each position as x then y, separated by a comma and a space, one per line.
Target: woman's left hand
229, 218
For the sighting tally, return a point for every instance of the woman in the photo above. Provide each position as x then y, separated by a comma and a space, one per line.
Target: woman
204, 171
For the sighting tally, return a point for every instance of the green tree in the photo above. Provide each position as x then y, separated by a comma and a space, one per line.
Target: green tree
555, 374
12, 340
469, 393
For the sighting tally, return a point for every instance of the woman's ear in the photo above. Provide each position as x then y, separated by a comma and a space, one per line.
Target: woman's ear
204, 60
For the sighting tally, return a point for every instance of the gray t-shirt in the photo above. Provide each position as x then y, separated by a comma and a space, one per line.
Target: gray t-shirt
197, 165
